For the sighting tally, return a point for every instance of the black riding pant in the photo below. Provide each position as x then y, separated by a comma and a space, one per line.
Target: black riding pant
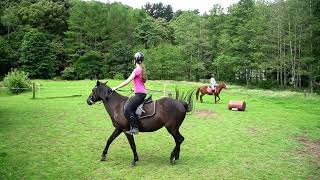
132, 106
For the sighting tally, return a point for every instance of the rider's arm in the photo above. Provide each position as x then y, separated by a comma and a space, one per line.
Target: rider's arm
124, 83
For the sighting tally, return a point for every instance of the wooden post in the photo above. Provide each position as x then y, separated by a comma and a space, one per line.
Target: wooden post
33, 90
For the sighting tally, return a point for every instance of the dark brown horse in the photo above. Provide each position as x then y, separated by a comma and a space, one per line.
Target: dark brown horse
208, 90
169, 113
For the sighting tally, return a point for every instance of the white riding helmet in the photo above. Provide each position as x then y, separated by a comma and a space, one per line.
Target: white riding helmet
138, 57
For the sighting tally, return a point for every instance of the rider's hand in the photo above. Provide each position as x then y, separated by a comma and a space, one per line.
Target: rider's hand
114, 88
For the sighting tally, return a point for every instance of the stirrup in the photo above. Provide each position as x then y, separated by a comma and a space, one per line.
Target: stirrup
133, 131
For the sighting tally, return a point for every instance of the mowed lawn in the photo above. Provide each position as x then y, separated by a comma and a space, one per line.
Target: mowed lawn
58, 136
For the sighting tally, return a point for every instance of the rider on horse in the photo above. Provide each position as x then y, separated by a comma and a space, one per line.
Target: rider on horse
139, 77
213, 83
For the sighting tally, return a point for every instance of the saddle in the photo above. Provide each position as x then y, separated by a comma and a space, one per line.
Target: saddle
210, 90
140, 112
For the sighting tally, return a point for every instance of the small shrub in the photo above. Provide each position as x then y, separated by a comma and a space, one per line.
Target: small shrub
57, 78
118, 76
267, 84
69, 73
17, 81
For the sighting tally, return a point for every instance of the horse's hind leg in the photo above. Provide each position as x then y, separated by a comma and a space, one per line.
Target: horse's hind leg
201, 100
178, 138
114, 135
133, 147
179, 141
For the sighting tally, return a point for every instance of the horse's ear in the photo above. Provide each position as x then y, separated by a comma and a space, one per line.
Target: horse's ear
98, 83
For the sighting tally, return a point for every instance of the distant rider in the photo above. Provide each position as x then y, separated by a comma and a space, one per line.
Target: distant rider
213, 83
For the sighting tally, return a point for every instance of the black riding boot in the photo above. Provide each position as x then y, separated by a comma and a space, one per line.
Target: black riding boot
133, 126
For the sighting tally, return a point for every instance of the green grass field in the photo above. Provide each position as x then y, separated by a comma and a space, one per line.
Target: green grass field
58, 136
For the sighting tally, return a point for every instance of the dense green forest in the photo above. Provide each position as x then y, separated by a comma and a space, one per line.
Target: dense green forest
259, 42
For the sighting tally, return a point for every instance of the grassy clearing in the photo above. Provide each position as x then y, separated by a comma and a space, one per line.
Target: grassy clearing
58, 136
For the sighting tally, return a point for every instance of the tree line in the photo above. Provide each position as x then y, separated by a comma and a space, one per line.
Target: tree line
252, 42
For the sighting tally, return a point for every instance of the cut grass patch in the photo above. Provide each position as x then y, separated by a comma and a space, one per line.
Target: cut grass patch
312, 147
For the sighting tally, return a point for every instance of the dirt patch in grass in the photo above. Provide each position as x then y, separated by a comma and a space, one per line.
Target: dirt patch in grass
252, 130
312, 147
204, 113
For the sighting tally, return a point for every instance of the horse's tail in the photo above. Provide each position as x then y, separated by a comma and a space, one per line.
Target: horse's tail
197, 93
186, 99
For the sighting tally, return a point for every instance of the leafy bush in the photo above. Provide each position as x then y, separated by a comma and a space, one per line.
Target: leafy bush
17, 81
89, 66
69, 73
118, 76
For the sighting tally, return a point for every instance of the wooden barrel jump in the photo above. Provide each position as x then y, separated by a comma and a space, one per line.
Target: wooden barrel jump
237, 105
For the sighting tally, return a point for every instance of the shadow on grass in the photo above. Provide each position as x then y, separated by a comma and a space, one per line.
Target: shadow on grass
59, 97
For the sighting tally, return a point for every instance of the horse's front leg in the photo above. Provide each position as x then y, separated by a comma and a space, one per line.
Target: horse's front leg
215, 99
133, 147
218, 98
114, 135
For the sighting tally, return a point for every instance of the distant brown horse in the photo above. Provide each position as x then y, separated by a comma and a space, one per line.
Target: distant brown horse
208, 90
168, 112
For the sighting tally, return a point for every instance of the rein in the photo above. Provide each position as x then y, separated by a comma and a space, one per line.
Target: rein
131, 91
126, 91
107, 96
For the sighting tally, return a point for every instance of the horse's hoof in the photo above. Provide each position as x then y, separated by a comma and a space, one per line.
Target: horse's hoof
103, 158
133, 163
173, 160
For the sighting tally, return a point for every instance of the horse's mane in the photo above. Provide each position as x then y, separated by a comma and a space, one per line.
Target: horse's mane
105, 85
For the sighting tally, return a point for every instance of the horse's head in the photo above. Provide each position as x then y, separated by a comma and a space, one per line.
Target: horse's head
99, 92
224, 85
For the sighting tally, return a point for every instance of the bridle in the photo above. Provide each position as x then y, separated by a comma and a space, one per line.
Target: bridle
107, 95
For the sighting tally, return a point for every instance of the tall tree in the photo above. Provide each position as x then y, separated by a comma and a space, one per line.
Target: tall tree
36, 55
158, 10
120, 59
151, 32
162, 62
